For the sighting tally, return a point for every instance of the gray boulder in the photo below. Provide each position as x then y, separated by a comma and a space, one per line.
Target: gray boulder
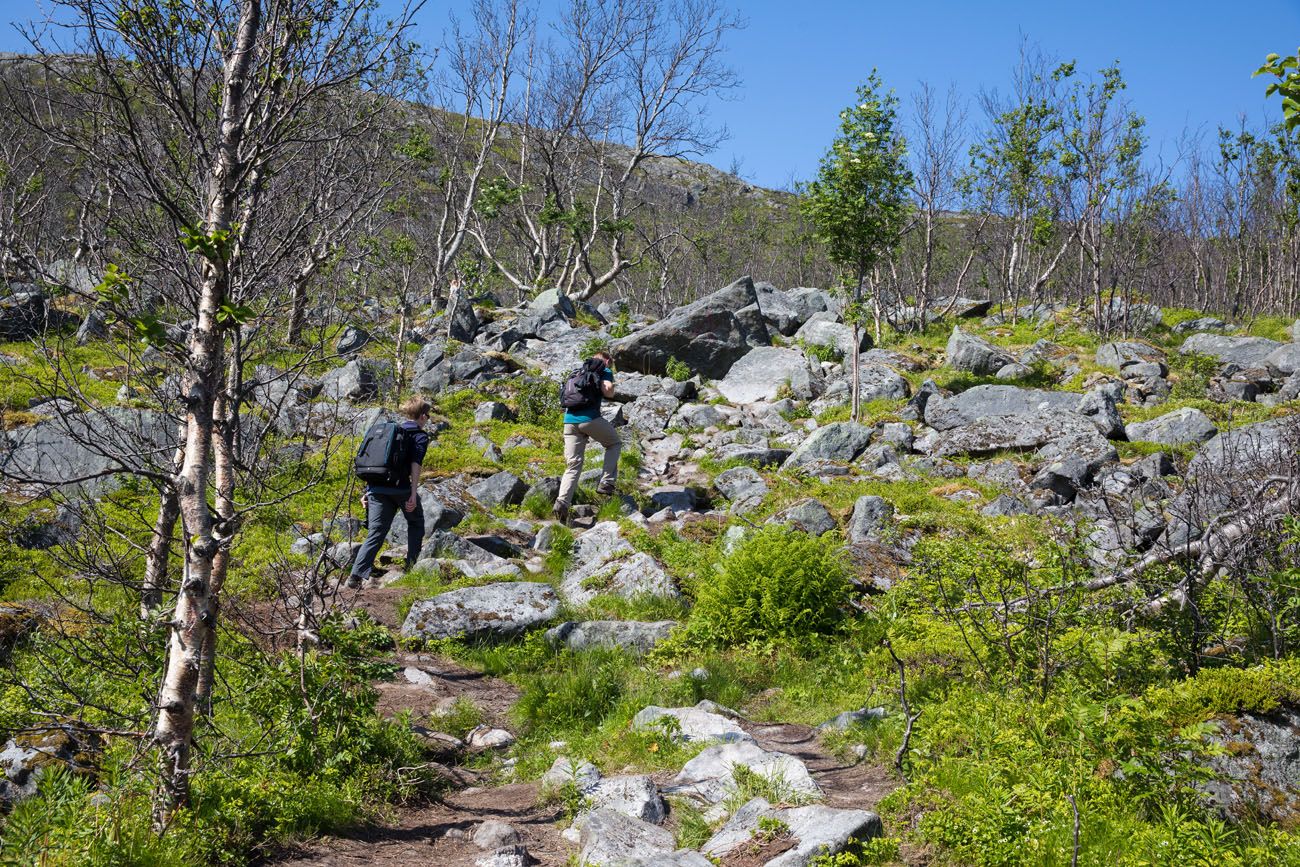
871, 515
651, 414
849, 718
1013, 371
782, 313
604, 563
876, 381
353, 339
81, 451
23, 315
1285, 359
1120, 315
25, 759
743, 486
492, 410
1203, 323
462, 321
699, 724
710, 776
1186, 425
983, 401
822, 329
765, 371
93, 327
1020, 431
501, 489
808, 516
1241, 351
488, 612
356, 380
1101, 404
553, 300
633, 796
1122, 354
840, 442
705, 335
611, 839
698, 415
1258, 767
635, 636
818, 831
975, 354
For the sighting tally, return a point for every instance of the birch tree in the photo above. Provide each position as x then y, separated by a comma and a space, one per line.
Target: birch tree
858, 202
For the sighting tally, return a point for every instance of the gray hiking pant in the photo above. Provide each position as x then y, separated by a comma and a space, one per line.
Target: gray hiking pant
575, 449
380, 511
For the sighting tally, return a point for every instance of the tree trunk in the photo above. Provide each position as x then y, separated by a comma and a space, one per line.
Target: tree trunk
159, 553
196, 609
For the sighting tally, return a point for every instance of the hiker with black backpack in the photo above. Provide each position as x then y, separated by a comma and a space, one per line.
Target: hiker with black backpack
388, 461
581, 398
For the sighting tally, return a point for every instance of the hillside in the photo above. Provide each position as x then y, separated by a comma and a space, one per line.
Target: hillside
1036, 604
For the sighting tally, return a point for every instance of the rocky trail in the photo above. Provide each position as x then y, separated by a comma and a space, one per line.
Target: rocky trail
465, 826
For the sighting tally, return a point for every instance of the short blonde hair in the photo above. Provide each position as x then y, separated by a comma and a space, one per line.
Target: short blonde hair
415, 407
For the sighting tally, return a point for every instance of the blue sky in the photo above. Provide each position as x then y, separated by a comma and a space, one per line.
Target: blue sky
1188, 63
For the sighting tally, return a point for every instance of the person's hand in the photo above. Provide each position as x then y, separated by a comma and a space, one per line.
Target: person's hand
365, 499
409, 505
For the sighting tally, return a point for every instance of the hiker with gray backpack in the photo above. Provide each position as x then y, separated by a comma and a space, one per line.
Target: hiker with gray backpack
388, 461
581, 396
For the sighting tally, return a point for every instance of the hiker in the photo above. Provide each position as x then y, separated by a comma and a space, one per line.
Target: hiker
581, 397
389, 462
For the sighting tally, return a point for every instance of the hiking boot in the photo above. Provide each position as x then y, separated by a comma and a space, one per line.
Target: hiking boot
606, 490
561, 514
353, 582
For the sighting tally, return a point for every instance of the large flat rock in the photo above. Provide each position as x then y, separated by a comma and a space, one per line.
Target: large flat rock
765, 371
710, 776
699, 724
1242, 351
490, 611
705, 335
982, 401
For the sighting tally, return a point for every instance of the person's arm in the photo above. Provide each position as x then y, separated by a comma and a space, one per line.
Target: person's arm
607, 387
415, 487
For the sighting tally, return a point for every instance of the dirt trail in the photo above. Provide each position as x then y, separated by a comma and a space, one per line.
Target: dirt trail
440, 833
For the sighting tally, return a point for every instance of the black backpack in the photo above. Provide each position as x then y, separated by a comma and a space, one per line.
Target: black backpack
384, 457
582, 388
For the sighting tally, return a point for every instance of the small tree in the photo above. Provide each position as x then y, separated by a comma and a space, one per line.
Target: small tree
858, 202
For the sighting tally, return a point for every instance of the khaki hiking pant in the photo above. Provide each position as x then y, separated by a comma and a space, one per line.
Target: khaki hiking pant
575, 449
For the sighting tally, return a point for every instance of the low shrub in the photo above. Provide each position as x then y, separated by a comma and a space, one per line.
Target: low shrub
778, 585
677, 369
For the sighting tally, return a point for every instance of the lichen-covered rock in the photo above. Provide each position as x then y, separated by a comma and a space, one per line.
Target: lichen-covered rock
710, 776
632, 635
1241, 351
604, 563
766, 371
818, 831
983, 401
1259, 767
871, 515
26, 757
807, 515
611, 839
975, 354
491, 611
705, 335
1186, 425
743, 486
839, 442
500, 489
699, 724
